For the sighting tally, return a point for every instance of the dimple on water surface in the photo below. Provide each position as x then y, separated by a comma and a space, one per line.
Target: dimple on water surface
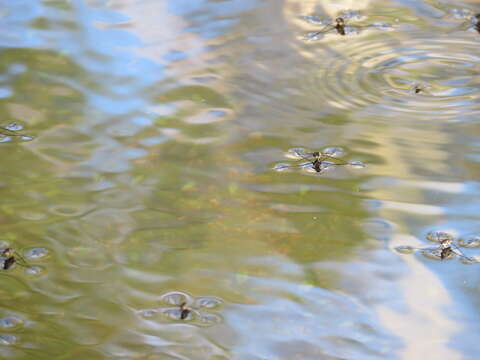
142, 216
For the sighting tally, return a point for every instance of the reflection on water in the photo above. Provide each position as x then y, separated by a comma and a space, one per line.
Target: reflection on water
147, 180
11, 132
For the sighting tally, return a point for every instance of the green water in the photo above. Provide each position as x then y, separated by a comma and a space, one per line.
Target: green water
150, 181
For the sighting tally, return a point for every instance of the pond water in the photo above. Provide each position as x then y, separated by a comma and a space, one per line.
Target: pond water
143, 203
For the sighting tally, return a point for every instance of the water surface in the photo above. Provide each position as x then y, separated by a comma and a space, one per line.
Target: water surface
149, 179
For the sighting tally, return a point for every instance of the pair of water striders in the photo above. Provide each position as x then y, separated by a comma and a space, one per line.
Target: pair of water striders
341, 27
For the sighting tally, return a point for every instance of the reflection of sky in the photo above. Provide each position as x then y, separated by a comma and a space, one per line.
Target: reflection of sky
219, 8
99, 63
115, 74
200, 12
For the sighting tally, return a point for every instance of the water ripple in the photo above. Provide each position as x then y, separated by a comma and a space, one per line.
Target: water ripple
184, 307
423, 77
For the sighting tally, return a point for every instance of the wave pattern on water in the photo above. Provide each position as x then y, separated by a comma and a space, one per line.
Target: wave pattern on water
381, 77
149, 179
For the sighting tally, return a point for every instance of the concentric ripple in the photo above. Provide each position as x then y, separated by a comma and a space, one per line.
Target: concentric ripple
10, 132
426, 78
197, 309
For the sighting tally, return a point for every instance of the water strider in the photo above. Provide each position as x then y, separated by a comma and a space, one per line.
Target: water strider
446, 249
186, 307
339, 26
317, 160
446, 252
418, 88
184, 311
12, 257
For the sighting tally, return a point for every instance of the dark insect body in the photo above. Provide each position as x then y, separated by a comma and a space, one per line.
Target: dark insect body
184, 312
446, 246
340, 25
477, 23
11, 256
446, 252
317, 159
9, 262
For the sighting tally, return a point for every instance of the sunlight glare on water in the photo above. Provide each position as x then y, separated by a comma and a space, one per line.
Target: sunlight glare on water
143, 217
